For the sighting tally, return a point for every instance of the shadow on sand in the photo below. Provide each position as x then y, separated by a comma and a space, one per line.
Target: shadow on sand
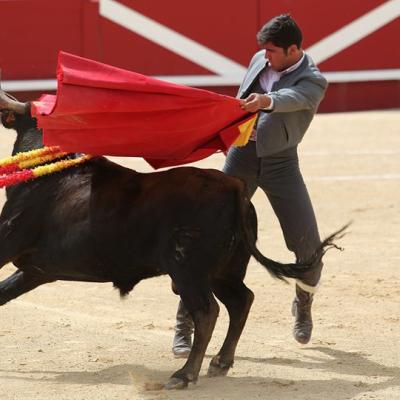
347, 367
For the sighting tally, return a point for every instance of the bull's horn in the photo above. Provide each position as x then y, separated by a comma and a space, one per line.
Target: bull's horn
7, 102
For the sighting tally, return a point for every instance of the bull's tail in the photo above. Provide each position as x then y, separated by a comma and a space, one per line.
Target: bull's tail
277, 269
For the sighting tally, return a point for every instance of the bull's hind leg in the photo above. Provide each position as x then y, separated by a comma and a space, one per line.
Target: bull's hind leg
204, 310
237, 298
19, 283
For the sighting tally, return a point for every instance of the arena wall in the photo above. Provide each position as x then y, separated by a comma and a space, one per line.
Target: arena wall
205, 44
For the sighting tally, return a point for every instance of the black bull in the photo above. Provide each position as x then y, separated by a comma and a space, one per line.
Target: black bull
101, 222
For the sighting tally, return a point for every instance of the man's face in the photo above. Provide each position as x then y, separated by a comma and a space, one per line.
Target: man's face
278, 59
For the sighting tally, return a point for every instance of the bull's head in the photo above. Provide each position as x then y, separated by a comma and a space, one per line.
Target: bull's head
7, 118
9, 107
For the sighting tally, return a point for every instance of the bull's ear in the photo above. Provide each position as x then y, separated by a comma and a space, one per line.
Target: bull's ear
8, 119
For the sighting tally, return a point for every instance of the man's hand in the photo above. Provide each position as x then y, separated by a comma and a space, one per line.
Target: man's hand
255, 102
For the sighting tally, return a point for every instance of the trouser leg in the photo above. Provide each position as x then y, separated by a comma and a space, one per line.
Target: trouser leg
281, 180
243, 163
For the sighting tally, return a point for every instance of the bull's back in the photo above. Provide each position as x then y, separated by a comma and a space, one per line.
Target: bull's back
103, 220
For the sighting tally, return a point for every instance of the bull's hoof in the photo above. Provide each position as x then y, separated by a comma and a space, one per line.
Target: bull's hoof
218, 368
176, 384
215, 371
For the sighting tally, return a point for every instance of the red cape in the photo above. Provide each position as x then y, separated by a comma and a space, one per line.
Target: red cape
104, 110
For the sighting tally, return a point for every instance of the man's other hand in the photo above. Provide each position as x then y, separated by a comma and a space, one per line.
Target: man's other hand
255, 102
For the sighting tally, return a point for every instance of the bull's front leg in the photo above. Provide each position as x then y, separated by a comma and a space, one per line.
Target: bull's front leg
204, 322
19, 283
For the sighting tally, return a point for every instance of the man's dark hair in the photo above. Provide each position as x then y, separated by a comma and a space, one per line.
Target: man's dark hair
281, 31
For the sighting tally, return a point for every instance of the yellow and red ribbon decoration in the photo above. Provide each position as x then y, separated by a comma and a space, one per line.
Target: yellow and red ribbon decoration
18, 168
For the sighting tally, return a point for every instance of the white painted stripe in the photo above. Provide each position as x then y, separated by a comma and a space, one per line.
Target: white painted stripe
29, 85
355, 31
333, 77
170, 39
213, 80
203, 80
363, 76
372, 177
351, 153
63, 312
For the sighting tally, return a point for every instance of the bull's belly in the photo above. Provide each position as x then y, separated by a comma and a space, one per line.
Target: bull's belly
85, 263
62, 269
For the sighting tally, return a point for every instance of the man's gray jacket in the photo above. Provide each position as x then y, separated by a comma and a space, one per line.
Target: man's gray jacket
296, 98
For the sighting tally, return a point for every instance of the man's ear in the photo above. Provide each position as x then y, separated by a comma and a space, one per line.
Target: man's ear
8, 118
292, 50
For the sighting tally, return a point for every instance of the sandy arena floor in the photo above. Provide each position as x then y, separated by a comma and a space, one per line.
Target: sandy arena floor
78, 341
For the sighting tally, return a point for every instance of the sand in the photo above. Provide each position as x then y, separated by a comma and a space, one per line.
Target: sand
80, 341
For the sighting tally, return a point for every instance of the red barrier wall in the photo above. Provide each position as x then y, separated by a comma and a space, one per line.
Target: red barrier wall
33, 31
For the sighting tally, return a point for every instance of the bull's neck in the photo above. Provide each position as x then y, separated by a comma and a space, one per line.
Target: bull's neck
29, 137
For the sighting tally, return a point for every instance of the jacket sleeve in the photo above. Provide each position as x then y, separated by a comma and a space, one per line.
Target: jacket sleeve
305, 95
